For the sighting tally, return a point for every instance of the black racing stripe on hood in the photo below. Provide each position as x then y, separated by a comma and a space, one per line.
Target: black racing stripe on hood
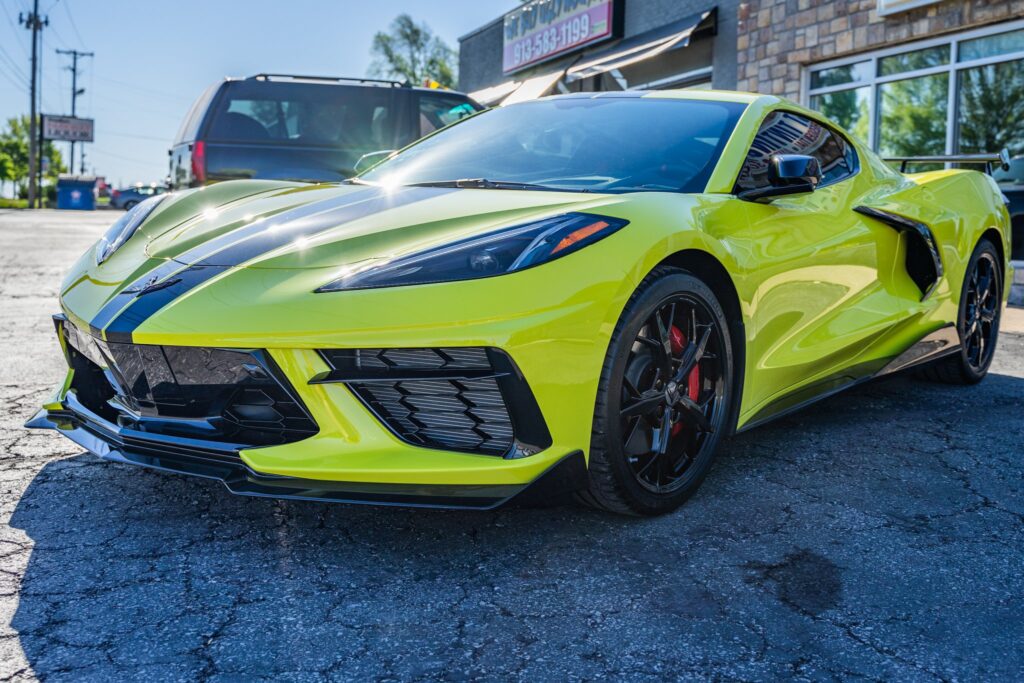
131, 307
212, 246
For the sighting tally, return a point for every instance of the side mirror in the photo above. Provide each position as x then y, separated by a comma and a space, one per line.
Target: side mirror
371, 159
787, 174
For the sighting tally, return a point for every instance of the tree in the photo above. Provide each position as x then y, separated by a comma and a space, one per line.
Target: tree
14, 145
992, 108
411, 52
6, 170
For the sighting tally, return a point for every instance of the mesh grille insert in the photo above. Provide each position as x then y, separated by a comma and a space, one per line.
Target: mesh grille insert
469, 399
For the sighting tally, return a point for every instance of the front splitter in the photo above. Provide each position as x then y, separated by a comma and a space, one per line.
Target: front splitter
108, 442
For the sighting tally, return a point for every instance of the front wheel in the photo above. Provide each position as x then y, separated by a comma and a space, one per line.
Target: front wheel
664, 399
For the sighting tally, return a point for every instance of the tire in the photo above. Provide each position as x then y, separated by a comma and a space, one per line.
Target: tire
977, 326
623, 478
129, 205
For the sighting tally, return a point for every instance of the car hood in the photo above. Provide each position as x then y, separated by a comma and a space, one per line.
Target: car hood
286, 225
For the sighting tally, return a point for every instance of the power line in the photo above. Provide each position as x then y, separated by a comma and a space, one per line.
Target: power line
23, 87
150, 91
135, 136
102, 152
14, 28
13, 65
74, 26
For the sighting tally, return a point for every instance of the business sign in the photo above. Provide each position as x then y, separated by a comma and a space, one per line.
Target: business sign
68, 128
541, 29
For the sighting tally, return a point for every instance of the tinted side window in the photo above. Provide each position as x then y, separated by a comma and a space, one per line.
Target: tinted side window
437, 111
784, 132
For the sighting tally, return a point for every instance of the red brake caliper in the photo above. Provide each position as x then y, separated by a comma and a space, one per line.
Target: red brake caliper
678, 340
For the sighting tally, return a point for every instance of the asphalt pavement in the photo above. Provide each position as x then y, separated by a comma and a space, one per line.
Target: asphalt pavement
878, 535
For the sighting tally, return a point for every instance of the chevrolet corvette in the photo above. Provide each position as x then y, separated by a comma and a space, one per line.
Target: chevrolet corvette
584, 293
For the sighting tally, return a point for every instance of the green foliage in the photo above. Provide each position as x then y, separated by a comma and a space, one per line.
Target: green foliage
913, 116
411, 52
14, 146
992, 108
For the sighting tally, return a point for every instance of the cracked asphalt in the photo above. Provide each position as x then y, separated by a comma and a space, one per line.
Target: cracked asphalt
878, 535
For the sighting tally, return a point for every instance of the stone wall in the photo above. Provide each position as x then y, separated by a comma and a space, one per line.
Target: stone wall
777, 38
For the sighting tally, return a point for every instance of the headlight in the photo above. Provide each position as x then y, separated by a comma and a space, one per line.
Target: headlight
505, 251
121, 231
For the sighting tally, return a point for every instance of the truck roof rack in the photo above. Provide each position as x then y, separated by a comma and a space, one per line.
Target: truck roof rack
330, 79
991, 161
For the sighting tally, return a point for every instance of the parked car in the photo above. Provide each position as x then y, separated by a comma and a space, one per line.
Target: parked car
127, 198
303, 128
1011, 182
578, 293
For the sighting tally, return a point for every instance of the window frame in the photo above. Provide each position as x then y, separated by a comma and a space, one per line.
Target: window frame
821, 121
953, 70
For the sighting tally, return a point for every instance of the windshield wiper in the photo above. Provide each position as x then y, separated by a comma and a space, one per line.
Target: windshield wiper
485, 184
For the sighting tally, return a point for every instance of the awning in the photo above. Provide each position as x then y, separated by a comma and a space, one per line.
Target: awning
535, 87
494, 94
641, 47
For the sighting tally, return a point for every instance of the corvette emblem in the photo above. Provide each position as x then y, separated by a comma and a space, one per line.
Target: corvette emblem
153, 286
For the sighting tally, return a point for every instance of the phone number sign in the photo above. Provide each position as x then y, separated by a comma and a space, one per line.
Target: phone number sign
67, 128
542, 29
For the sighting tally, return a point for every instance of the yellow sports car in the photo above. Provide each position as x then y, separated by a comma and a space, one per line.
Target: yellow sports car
582, 293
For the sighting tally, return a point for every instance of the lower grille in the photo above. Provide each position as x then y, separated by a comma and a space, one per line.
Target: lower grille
472, 400
224, 396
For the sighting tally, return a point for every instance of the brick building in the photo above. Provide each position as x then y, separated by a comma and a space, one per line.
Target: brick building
908, 76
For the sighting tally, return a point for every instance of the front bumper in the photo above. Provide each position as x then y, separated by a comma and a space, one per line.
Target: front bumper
349, 454
181, 457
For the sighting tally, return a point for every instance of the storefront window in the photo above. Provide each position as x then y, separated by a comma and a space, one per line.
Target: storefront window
991, 108
912, 116
912, 61
960, 94
848, 73
991, 46
848, 108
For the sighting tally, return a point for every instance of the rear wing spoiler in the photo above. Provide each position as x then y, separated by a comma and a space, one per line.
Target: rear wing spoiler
991, 161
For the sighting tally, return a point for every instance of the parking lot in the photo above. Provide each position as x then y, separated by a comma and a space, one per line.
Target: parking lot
877, 535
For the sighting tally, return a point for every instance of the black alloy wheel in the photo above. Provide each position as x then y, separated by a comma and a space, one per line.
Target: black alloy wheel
981, 302
672, 392
981, 319
665, 397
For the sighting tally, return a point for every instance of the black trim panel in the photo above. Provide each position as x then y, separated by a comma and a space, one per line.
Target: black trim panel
938, 344
106, 441
924, 264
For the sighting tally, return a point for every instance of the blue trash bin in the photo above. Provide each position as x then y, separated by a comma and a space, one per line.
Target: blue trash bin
76, 192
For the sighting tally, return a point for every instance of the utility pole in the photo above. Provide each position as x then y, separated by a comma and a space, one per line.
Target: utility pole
34, 23
75, 92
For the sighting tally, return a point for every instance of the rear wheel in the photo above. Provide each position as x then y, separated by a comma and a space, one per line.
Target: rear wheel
129, 205
977, 321
664, 399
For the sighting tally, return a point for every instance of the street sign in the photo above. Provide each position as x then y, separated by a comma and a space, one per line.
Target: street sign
69, 128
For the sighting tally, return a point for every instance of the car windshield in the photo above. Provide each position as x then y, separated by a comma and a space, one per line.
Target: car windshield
599, 144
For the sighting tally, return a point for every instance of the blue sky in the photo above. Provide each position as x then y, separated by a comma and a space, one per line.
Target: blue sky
153, 58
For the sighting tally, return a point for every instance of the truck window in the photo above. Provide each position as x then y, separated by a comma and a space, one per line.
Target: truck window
357, 119
437, 111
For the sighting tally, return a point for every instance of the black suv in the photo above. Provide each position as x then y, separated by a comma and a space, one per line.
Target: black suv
305, 128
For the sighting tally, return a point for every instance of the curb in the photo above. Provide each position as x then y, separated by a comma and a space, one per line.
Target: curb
1017, 287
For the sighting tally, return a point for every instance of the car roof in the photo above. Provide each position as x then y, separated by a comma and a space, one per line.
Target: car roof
697, 95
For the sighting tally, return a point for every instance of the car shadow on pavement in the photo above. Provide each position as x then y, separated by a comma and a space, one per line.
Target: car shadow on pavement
881, 507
